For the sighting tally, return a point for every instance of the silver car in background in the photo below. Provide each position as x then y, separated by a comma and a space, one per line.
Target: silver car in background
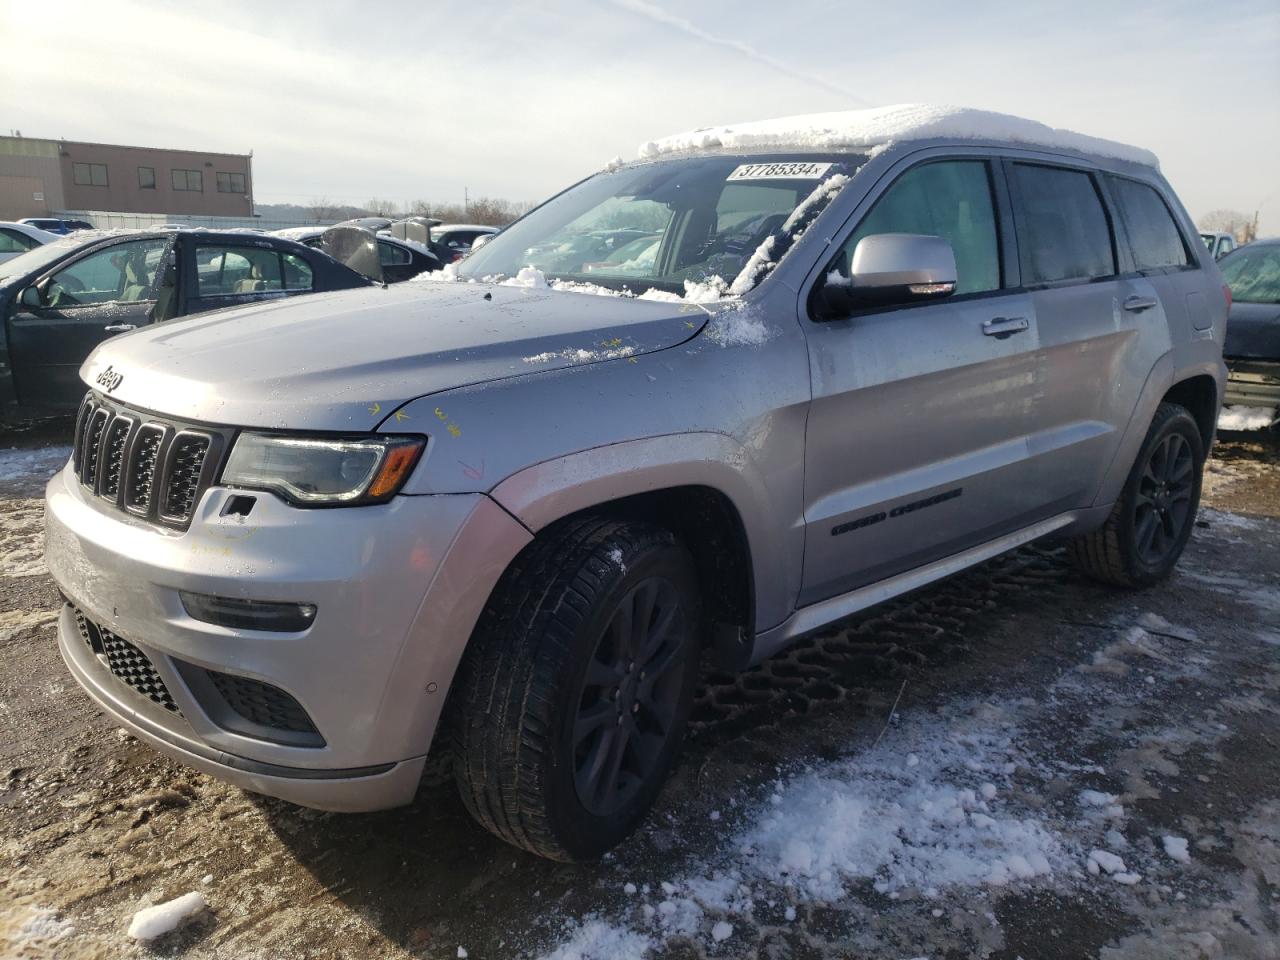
508, 517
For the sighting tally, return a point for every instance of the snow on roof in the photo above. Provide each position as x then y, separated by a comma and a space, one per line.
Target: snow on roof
884, 125
446, 227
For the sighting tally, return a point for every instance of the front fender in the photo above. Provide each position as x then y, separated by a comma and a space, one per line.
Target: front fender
546, 492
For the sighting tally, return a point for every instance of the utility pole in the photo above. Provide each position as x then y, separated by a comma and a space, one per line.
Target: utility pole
466, 204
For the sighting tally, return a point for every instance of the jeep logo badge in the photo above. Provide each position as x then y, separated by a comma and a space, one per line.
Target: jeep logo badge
108, 379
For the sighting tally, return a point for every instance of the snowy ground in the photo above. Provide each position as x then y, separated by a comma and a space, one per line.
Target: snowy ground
1014, 763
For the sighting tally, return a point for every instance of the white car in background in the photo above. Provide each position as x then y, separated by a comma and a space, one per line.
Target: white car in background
18, 238
453, 241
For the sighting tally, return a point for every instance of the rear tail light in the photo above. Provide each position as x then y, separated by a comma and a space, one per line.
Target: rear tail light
1226, 292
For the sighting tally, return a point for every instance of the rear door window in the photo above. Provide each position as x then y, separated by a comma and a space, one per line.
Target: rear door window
228, 271
11, 241
297, 272
949, 199
1153, 235
1063, 232
390, 255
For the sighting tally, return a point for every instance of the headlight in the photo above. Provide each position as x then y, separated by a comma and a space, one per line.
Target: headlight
312, 471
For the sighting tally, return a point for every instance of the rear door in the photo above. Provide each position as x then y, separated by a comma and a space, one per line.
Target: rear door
1101, 325
1160, 254
83, 301
917, 442
396, 261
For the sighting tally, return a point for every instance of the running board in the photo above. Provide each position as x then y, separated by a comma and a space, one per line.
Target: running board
817, 615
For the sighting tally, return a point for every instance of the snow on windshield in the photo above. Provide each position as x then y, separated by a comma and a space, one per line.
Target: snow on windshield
884, 125
698, 231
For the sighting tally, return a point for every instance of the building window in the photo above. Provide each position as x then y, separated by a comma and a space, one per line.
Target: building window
192, 180
147, 178
89, 174
230, 182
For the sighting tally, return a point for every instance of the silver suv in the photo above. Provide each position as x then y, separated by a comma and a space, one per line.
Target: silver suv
693, 407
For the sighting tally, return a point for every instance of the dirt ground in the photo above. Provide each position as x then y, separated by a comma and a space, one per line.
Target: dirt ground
1094, 720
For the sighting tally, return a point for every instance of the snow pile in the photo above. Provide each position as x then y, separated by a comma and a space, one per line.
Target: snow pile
26, 464
1245, 418
597, 940
43, 926
1176, 848
864, 129
944, 820
927, 826
152, 922
738, 325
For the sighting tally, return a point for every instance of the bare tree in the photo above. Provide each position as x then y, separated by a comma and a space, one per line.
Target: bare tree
324, 209
382, 208
1239, 225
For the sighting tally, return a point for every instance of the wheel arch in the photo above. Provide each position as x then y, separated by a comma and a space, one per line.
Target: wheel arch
701, 487
1197, 386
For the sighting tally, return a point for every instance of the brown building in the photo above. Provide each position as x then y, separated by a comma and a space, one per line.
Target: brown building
43, 177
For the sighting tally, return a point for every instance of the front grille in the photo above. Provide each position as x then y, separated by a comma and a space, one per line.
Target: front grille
125, 661
152, 467
186, 465
261, 703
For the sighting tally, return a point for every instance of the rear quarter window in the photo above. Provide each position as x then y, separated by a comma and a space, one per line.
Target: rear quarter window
1154, 238
1062, 227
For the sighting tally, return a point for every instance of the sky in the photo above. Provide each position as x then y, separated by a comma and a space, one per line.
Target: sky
421, 100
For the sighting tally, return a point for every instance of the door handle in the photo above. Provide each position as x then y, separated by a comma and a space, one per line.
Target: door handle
1136, 304
1001, 327
120, 327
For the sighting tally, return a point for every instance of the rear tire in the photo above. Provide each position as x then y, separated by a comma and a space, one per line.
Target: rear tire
575, 689
1152, 520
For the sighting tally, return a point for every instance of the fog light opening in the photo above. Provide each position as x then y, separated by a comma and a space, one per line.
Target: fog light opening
240, 614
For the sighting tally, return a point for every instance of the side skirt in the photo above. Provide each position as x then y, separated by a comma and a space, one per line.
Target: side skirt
815, 616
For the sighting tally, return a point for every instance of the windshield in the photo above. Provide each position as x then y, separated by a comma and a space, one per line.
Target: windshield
661, 225
37, 258
1253, 274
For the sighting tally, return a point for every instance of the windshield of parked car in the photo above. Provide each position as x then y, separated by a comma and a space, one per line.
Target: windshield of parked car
1253, 273
37, 258
659, 225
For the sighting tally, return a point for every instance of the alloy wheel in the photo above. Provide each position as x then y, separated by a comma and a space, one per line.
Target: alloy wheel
629, 701
1162, 506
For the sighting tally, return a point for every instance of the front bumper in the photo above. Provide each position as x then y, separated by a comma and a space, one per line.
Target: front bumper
397, 586
1253, 383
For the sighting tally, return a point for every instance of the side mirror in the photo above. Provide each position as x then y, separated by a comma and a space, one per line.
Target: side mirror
892, 268
481, 240
31, 298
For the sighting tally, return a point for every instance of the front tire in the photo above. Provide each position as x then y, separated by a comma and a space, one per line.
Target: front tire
576, 687
1152, 520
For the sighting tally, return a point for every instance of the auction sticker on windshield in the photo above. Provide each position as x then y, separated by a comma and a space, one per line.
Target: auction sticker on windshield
780, 171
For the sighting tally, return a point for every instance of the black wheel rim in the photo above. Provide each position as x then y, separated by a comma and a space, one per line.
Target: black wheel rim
1163, 504
630, 697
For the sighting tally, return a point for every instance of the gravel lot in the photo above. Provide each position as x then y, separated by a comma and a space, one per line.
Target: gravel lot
1053, 743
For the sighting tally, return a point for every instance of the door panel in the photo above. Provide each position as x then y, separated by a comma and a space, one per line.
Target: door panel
86, 301
921, 438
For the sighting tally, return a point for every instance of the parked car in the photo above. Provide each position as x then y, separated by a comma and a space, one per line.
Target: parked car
1252, 347
55, 225
60, 300
452, 241
18, 238
1219, 244
872, 350
398, 260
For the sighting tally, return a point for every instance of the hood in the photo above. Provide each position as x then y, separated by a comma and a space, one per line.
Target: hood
1253, 332
346, 361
